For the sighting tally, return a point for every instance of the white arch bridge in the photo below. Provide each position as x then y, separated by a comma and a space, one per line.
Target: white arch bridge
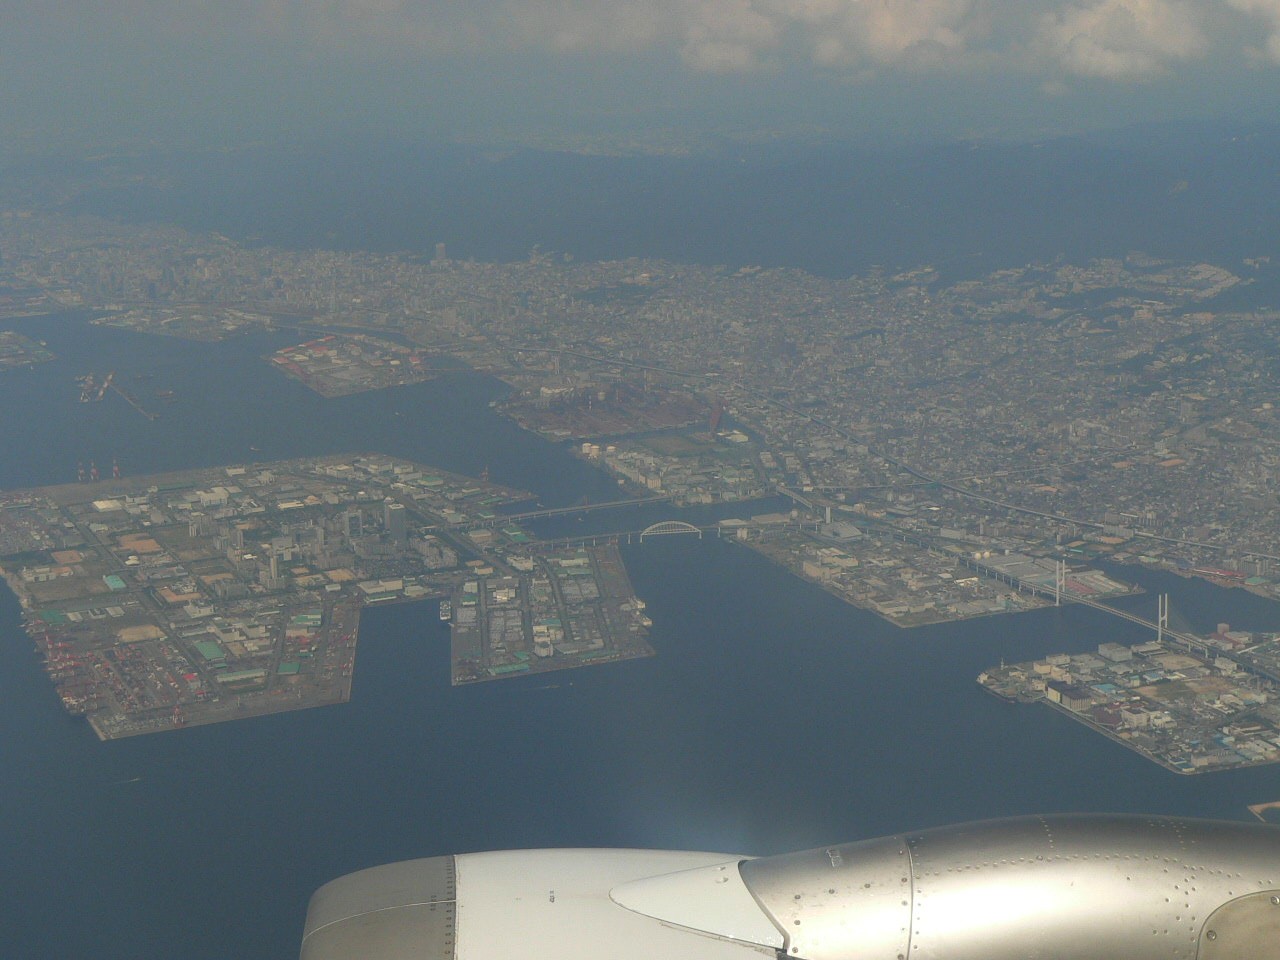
668, 527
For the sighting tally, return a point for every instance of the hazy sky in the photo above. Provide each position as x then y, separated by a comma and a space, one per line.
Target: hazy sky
79, 72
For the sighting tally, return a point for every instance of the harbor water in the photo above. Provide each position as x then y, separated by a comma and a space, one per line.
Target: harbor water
772, 717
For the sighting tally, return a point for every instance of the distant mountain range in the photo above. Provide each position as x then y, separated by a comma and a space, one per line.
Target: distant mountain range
1187, 191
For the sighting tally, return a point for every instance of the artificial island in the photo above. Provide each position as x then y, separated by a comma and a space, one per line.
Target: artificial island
213, 594
1193, 704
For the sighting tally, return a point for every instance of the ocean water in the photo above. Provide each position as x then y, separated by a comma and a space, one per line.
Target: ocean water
773, 716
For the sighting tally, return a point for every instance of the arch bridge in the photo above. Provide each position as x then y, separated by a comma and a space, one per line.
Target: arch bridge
666, 527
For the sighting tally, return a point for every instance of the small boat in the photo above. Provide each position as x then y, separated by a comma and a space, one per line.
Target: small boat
446, 611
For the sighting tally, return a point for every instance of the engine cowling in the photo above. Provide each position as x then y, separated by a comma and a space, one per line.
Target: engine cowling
1069, 887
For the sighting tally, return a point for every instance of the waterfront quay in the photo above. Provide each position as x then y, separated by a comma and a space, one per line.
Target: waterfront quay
196, 597
563, 608
911, 579
1191, 707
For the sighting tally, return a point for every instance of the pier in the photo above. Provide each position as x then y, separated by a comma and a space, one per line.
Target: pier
130, 399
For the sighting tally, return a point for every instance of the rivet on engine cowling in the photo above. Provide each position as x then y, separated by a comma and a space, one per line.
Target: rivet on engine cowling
1275, 900
1211, 935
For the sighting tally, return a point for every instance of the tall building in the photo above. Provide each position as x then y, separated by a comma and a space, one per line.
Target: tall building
396, 520
354, 524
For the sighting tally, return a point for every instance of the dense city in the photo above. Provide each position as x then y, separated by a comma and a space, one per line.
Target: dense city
930, 436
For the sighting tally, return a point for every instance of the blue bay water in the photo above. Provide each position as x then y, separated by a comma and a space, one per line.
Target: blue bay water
772, 717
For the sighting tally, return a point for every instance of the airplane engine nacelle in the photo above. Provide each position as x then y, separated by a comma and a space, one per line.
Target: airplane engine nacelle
1029, 888
1076, 888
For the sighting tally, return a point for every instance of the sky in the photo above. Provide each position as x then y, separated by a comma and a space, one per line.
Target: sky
83, 75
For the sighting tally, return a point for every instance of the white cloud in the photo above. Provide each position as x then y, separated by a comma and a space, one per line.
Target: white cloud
1119, 40
1122, 39
1269, 12
729, 35
589, 26
844, 33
